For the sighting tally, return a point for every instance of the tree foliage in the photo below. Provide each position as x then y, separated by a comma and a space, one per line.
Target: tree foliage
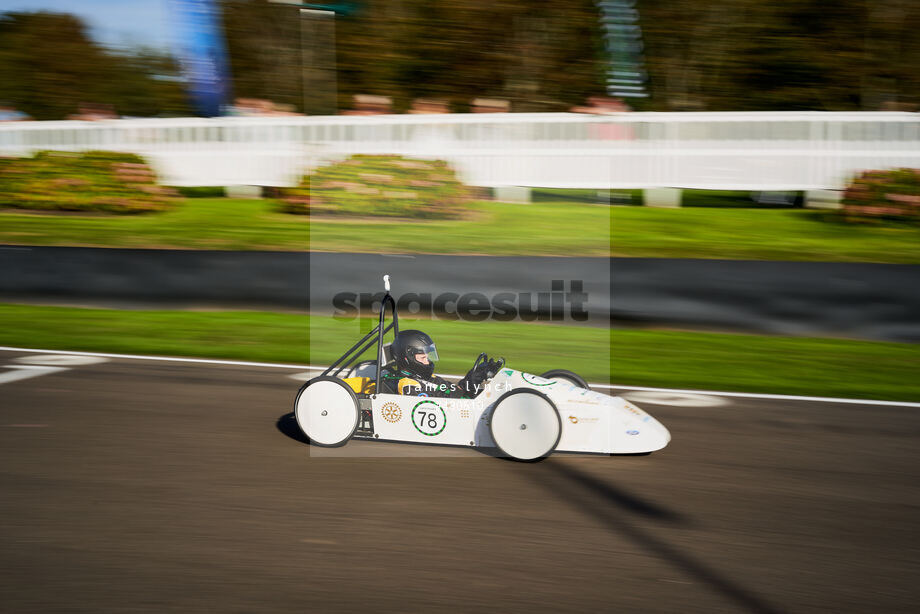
738, 55
49, 67
723, 55
542, 55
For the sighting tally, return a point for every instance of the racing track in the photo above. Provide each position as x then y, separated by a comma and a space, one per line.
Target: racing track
143, 486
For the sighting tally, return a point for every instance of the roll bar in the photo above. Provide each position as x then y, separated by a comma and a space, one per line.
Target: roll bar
374, 336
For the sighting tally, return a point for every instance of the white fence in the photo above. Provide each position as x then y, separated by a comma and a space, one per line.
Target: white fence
746, 151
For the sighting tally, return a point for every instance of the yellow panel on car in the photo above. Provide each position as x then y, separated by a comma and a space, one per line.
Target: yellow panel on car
407, 382
361, 385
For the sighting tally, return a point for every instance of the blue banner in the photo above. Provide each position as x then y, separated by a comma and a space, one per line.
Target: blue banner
199, 44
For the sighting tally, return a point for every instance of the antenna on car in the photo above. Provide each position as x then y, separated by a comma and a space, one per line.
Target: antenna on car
386, 283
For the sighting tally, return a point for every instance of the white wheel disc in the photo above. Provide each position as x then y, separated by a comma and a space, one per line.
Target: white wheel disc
525, 425
326, 412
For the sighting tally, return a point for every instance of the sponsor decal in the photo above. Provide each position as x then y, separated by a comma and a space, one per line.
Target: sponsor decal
509, 372
632, 432
633, 409
428, 418
391, 412
536, 380
465, 414
576, 420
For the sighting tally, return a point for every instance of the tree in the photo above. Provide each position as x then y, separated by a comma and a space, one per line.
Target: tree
49, 67
541, 55
146, 83
734, 55
264, 48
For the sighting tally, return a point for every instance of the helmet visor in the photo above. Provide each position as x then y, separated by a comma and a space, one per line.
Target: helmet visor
425, 355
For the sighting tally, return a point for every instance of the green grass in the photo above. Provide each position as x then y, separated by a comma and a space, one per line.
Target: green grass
199, 223
556, 228
782, 365
757, 234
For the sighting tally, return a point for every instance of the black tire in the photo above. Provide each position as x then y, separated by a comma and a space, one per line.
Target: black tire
569, 376
502, 432
340, 436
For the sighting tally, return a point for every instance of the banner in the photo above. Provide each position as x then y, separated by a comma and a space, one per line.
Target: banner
199, 44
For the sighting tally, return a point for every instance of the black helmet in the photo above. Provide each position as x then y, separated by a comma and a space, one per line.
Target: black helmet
415, 352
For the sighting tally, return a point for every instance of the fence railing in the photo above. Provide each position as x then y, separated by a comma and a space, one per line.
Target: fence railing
748, 151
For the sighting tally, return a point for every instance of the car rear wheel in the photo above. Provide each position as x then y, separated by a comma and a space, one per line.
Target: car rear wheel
525, 425
326, 410
566, 376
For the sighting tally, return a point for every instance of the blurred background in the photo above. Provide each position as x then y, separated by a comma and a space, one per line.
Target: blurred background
742, 167
729, 191
737, 55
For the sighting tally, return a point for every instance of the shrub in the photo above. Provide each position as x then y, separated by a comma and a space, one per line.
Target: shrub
386, 186
93, 181
891, 195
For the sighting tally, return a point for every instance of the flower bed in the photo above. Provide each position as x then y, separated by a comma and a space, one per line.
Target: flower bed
93, 181
389, 186
891, 195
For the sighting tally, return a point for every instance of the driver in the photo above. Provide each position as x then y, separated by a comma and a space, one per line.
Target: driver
412, 370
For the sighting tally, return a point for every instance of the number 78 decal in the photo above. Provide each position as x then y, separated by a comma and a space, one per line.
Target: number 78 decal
428, 418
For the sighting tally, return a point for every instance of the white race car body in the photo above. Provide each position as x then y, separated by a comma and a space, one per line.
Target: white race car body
591, 421
522, 416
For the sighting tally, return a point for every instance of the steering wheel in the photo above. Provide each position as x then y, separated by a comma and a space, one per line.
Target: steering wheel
479, 361
488, 366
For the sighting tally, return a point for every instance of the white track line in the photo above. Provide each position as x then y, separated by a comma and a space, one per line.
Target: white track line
242, 363
754, 395
206, 361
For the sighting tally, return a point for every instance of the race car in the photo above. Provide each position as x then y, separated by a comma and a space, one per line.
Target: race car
517, 415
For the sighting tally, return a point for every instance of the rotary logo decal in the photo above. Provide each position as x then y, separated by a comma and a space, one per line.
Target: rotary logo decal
391, 412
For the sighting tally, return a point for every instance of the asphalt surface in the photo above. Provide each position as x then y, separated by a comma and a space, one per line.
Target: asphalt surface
837, 299
141, 486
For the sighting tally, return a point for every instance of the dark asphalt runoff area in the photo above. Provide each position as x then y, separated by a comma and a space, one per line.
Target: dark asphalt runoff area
145, 486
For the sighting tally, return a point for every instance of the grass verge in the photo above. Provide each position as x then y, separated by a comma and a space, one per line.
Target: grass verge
557, 228
751, 363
